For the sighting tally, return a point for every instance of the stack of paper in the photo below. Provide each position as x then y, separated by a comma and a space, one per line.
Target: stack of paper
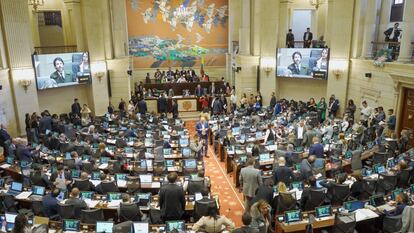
23, 195
91, 203
114, 203
364, 214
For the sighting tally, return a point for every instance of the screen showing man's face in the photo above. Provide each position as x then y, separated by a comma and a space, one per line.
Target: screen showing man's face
297, 58
59, 66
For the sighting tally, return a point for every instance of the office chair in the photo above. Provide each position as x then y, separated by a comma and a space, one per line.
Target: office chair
201, 208
285, 202
369, 188
404, 178
37, 208
129, 212
392, 224
159, 153
133, 185
66, 211
195, 186
82, 185
109, 187
70, 163
9, 204
356, 162
91, 216
340, 192
344, 223
87, 167
386, 183
123, 227
159, 168
316, 198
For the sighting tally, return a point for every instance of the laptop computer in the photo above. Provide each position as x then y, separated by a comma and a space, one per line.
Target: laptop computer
140, 227
38, 192
142, 199
15, 189
104, 227
186, 152
378, 201
71, 225
298, 185
176, 226
293, 216
190, 163
86, 195
323, 211
10, 218
95, 176
351, 206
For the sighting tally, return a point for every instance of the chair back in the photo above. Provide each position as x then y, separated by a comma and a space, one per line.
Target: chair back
340, 192
286, 201
316, 198
344, 223
201, 208
379, 157
195, 186
70, 163
133, 185
392, 224
129, 212
123, 227
82, 185
9, 204
369, 186
91, 216
386, 183
356, 163
404, 178
66, 211
87, 167
37, 208
109, 187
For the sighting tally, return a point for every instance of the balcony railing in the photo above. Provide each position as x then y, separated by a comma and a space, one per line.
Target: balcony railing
394, 46
56, 49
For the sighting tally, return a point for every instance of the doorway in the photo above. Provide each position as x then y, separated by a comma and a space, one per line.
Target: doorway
301, 19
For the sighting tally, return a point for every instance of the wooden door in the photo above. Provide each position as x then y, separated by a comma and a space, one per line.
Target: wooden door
407, 116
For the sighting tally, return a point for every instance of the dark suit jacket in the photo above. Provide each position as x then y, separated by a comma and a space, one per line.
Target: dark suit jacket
50, 205
245, 229
283, 174
78, 203
67, 77
174, 110
162, 104
298, 71
142, 107
23, 153
40, 180
310, 36
172, 201
290, 38
76, 108
199, 92
263, 193
388, 33
316, 149
45, 123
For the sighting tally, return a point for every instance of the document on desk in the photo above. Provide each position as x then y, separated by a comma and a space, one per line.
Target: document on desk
91, 203
114, 203
271, 147
103, 166
95, 182
122, 183
6, 165
364, 214
111, 141
23, 195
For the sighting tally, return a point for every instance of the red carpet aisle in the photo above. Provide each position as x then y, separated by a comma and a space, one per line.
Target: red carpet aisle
231, 200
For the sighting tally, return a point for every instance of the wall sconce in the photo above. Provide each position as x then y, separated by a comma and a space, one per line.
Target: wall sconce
100, 75
25, 84
268, 64
337, 73
267, 70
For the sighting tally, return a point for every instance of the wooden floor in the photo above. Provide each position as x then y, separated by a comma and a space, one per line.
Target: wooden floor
231, 201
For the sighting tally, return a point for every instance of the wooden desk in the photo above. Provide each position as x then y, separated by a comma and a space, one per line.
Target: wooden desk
301, 226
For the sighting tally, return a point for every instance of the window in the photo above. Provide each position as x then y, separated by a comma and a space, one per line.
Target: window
397, 10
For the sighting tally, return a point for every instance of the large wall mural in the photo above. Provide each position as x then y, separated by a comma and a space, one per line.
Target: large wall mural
183, 33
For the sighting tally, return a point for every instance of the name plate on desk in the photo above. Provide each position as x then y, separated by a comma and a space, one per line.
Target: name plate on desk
187, 105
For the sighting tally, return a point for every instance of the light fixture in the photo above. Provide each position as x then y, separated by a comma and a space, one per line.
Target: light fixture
316, 3
268, 64
337, 72
267, 70
99, 75
25, 84
36, 4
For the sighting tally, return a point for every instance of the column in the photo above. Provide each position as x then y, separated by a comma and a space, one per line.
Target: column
406, 48
244, 32
328, 25
283, 22
119, 28
369, 27
75, 18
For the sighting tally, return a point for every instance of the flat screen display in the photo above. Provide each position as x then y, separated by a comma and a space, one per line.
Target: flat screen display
60, 70
311, 63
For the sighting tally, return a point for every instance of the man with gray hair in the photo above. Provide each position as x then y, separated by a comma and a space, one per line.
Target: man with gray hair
5, 139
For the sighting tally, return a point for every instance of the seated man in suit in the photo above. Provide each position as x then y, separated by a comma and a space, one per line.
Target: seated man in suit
172, 199
129, 211
60, 75
50, 203
296, 68
76, 201
23, 153
61, 178
39, 179
83, 184
316, 148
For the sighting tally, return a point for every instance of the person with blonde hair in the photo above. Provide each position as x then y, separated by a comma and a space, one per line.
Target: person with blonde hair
261, 218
